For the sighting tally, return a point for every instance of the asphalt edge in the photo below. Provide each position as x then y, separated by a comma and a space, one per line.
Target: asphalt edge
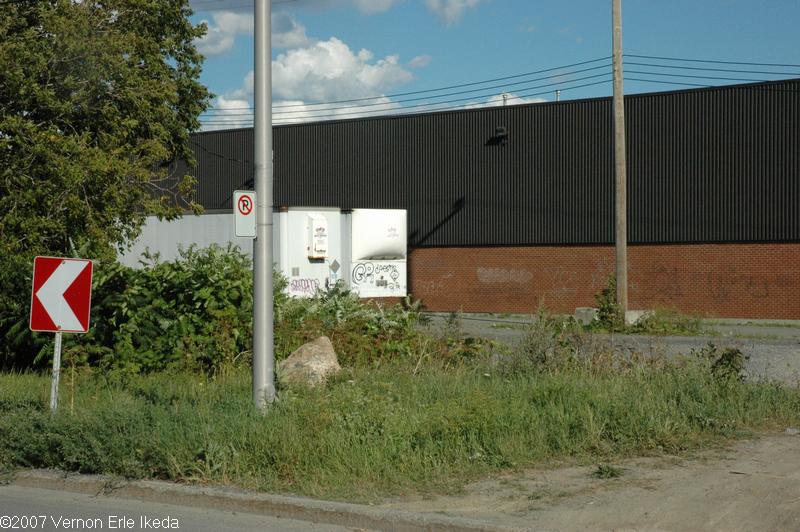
229, 499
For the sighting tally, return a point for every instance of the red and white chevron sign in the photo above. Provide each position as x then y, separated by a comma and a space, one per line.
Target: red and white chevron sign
62, 295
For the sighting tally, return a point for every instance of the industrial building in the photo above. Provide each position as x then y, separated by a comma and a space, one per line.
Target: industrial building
512, 208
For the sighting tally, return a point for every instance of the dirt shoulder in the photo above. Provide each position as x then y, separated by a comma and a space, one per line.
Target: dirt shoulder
752, 485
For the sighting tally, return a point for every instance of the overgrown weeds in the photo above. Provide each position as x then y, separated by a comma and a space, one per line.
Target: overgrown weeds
378, 432
609, 314
195, 313
657, 322
555, 344
725, 364
606, 471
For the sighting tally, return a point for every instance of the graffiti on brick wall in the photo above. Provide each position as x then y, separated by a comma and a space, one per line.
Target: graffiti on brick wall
502, 275
303, 287
718, 286
565, 283
559, 282
441, 285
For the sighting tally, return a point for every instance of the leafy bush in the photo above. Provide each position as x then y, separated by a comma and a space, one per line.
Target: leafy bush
454, 346
667, 322
662, 321
606, 471
724, 364
196, 312
609, 315
18, 345
361, 333
548, 343
193, 312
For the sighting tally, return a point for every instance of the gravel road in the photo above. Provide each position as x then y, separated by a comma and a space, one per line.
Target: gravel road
773, 347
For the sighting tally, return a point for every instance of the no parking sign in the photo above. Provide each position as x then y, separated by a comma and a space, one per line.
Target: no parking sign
244, 213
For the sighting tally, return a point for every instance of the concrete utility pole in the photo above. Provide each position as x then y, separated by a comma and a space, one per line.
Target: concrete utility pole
263, 334
621, 225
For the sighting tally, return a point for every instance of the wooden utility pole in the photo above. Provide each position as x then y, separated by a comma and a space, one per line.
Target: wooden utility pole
621, 225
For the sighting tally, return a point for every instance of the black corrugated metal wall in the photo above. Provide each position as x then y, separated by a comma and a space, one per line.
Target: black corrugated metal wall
706, 165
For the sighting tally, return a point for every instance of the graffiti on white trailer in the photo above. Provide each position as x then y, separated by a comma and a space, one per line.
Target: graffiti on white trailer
303, 287
379, 278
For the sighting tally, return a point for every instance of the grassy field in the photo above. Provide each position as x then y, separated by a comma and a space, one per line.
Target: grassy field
377, 432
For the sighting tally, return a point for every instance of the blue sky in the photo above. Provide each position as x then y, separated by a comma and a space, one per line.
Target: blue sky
331, 50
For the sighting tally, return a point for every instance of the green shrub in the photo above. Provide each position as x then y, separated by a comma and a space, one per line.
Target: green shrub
196, 313
663, 321
606, 471
193, 312
724, 364
361, 333
609, 314
548, 343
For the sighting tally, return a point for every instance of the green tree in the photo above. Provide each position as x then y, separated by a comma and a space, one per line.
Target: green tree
95, 97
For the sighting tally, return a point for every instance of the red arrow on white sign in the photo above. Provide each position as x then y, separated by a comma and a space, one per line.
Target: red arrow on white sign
61, 295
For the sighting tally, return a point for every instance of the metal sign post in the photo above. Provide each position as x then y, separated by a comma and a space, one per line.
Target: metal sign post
61, 299
56, 374
263, 342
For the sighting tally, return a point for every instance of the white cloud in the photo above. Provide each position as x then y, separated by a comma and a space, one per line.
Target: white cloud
323, 72
329, 70
246, 90
222, 33
296, 111
287, 32
227, 25
228, 113
420, 61
451, 11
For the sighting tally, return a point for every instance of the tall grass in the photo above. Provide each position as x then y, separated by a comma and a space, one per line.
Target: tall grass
380, 432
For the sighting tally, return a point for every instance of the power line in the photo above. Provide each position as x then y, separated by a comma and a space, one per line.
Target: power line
441, 106
456, 100
432, 107
693, 76
739, 87
709, 69
666, 82
710, 61
306, 109
246, 162
438, 89
393, 102
199, 6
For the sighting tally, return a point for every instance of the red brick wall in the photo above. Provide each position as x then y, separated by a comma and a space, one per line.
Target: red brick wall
718, 280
